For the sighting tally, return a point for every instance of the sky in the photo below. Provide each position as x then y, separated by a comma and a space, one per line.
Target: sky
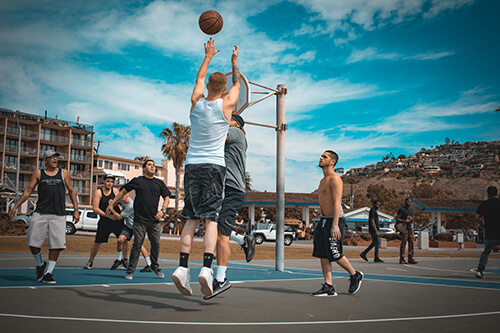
364, 77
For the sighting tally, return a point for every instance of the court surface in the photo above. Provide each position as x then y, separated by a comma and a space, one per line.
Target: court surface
438, 294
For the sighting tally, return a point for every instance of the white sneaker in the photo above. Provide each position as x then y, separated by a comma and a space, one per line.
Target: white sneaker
181, 279
206, 280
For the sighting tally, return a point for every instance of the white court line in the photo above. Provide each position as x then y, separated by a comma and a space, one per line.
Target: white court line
436, 269
321, 322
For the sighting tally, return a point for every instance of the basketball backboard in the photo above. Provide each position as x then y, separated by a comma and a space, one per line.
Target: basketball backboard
245, 93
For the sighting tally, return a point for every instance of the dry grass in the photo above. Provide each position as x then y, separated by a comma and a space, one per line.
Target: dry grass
170, 249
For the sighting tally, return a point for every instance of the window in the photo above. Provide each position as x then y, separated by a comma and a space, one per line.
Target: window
108, 165
137, 167
48, 134
99, 163
123, 166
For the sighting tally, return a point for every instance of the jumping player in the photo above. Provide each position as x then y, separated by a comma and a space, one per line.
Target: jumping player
205, 169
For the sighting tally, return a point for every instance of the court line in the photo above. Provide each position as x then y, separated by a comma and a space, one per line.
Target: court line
321, 322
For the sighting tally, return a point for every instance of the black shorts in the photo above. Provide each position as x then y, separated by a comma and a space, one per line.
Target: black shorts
203, 191
127, 232
104, 229
233, 201
324, 245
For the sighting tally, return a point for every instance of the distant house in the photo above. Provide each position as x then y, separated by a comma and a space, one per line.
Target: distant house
357, 220
432, 169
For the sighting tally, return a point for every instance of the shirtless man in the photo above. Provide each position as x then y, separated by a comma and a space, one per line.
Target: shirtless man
329, 232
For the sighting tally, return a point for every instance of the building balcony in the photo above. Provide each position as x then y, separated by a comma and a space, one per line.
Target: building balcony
22, 167
81, 143
24, 150
80, 174
26, 134
55, 138
79, 158
81, 190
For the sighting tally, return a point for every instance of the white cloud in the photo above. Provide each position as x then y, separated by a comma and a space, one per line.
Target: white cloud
372, 53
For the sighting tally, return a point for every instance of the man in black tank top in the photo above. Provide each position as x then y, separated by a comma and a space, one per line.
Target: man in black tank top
108, 223
50, 214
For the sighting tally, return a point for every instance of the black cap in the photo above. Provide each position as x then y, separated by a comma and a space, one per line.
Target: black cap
237, 118
109, 176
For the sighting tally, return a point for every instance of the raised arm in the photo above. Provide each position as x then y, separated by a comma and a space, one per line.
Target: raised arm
72, 196
199, 87
26, 194
231, 98
117, 198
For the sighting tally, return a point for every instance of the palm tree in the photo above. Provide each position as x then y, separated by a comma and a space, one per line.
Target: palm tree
142, 158
175, 147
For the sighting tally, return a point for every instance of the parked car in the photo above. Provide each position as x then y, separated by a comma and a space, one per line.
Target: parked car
269, 234
88, 220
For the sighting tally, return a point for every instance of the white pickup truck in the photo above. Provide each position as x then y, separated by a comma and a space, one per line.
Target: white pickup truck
269, 234
88, 221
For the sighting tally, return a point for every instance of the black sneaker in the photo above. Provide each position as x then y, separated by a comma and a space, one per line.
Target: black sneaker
219, 287
116, 264
48, 278
125, 263
363, 256
325, 291
89, 265
479, 274
378, 260
249, 247
355, 282
146, 269
40, 270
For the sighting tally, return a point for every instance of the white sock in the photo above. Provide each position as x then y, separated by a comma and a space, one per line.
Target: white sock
240, 239
221, 273
50, 267
119, 255
148, 261
38, 259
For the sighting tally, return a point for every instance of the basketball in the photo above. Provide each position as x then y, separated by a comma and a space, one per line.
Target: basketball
210, 22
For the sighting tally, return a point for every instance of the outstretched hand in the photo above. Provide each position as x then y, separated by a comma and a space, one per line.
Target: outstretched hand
234, 57
210, 48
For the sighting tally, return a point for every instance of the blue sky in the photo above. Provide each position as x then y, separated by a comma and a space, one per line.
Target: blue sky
364, 78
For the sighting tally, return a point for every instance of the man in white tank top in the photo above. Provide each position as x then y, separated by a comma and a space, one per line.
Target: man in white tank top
205, 169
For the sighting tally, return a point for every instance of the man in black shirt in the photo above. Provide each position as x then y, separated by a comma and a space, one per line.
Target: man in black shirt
405, 216
488, 216
147, 217
373, 228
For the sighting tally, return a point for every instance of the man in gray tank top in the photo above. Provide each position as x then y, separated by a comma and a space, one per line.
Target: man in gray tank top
205, 169
50, 214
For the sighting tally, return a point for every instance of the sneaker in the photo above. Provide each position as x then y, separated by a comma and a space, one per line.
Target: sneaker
146, 269
116, 264
363, 256
48, 278
219, 287
378, 260
129, 276
249, 247
325, 291
206, 281
479, 274
125, 263
182, 280
40, 270
159, 273
402, 261
355, 282
413, 262
89, 265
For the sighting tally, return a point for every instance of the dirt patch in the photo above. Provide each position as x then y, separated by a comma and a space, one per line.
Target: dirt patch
9, 227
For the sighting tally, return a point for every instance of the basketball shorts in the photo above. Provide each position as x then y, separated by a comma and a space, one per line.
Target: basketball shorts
127, 232
104, 229
47, 224
325, 246
231, 205
203, 190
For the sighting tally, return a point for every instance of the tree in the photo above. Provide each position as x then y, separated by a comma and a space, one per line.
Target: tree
175, 147
142, 158
248, 181
387, 196
447, 141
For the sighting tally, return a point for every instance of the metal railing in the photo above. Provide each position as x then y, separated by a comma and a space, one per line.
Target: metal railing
80, 158
22, 166
82, 190
24, 132
83, 143
24, 150
80, 174
54, 138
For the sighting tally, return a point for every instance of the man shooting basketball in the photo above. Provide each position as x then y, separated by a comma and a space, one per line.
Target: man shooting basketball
205, 169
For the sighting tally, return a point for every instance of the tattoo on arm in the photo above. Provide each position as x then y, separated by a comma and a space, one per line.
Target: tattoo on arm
236, 74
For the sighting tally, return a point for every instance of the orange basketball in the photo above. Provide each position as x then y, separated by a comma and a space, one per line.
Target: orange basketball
210, 22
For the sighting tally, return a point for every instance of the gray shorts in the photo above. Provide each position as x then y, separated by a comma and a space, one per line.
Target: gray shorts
127, 232
233, 201
47, 224
203, 191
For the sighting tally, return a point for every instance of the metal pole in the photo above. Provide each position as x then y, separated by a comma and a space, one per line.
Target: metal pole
18, 157
280, 177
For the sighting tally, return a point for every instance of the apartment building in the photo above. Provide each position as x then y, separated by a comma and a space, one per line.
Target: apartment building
23, 139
